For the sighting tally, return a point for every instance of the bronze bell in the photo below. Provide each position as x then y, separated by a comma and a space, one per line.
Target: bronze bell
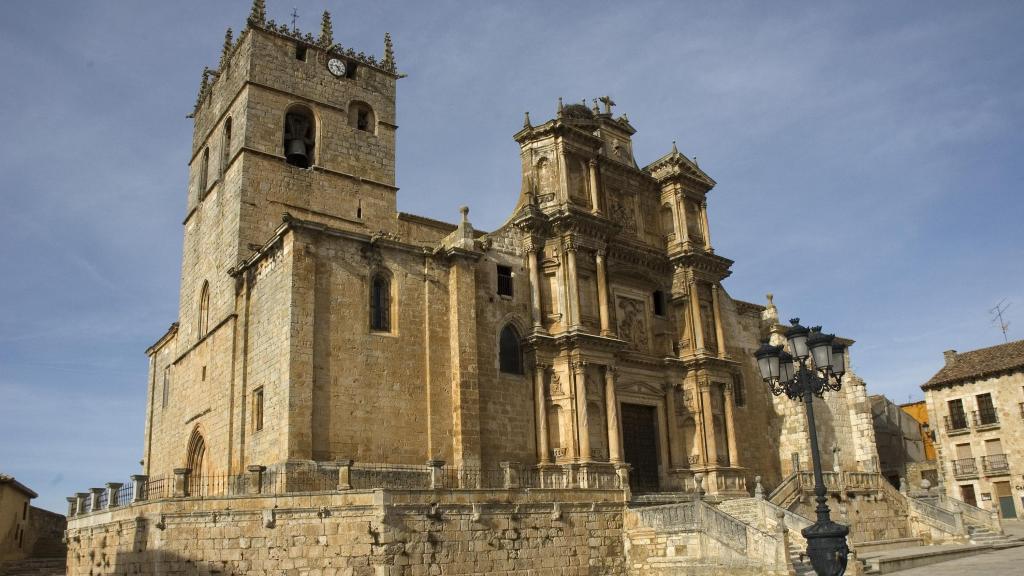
296, 152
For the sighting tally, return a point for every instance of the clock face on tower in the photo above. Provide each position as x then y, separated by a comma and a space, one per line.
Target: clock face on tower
337, 67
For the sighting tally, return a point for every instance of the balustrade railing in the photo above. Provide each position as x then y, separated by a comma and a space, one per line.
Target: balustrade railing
956, 423
349, 475
995, 464
986, 417
965, 468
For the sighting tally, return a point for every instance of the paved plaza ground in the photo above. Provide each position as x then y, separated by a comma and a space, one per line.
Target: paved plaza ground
1000, 562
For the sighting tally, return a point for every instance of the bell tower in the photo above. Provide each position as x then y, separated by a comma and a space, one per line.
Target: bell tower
291, 123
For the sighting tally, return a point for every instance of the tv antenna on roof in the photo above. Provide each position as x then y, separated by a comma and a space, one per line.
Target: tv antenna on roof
997, 316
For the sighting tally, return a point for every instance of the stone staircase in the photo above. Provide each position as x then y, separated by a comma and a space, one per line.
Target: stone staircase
798, 558
34, 567
978, 534
754, 512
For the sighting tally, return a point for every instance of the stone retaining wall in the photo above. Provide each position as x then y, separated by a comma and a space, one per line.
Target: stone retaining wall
360, 533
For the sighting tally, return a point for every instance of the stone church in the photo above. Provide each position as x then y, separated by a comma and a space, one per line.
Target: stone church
350, 389
318, 323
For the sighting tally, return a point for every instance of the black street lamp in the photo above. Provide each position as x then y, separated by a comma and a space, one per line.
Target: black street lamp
826, 540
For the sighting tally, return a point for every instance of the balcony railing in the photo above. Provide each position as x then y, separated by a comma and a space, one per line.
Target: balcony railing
965, 468
986, 417
995, 464
957, 424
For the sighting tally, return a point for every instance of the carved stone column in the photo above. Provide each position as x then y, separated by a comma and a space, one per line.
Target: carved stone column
579, 370
594, 196
730, 425
533, 264
611, 402
719, 329
563, 174
709, 424
571, 284
704, 225
696, 323
674, 440
681, 222
602, 292
540, 408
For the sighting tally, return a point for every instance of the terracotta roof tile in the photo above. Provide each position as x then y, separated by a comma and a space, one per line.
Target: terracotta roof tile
979, 363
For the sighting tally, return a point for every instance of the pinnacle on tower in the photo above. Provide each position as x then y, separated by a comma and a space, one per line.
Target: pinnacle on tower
389, 52
258, 14
326, 31
560, 106
526, 120
227, 50
204, 85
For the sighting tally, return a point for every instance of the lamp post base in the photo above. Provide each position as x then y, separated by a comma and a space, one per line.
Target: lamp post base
826, 547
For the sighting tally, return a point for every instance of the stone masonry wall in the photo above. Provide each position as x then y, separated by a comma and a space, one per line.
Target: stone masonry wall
358, 534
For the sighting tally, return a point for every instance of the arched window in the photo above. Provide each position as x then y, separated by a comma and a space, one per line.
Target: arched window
510, 357
226, 148
204, 172
204, 310
380, 304
299, 136
361, 117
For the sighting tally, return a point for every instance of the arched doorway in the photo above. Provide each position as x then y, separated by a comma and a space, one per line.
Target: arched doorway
194, 459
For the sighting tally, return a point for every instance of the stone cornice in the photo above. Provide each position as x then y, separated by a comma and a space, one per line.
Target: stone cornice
718, 267
676, 166
172, 331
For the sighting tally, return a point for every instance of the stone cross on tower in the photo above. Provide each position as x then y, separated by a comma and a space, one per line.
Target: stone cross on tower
608, 103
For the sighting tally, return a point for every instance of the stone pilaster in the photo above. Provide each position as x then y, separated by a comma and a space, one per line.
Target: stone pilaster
582, 418
571, 283
612, 409
602, 292
730, 429
594, 193
541, 413
709, 424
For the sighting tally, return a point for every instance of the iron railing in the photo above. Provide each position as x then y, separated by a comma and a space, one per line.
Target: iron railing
986, 417
956, 423
965, 468
995, 464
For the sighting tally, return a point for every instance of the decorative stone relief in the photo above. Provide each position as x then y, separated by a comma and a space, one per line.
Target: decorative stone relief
623, 213
632, 317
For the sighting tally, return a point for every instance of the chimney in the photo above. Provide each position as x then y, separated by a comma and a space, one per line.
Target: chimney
950, 356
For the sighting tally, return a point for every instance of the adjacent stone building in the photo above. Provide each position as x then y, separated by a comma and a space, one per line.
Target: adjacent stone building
25, 530
977, 403
898, 438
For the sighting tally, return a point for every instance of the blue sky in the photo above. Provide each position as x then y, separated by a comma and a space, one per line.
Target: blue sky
868, 156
